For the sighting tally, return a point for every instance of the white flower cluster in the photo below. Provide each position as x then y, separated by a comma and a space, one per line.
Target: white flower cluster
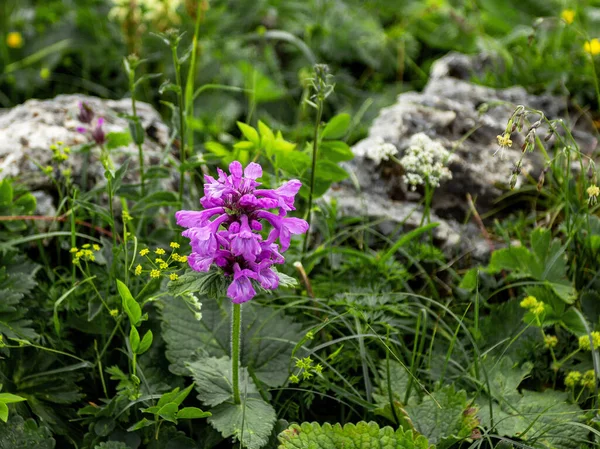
194, 304
380, 151
146, 10
425, 162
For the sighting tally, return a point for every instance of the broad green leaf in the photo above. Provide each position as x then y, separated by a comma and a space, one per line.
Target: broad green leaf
134, 339
250, 422
335, 151
337, 127
398, 382
249, 133
113, 444
444, 417
144, 422
130, 305
192, 413
3, 412
505, 376
212, 377
175, 396
145, 343
469, 280
18, 433
330, 171
169, 412
6, 192
352, 436
515, 258
117, 140
9, 398
268, 337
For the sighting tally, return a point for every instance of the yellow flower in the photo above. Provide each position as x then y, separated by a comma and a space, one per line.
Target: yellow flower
504, 140
73, 250
86, 246
138, 270
318, 368
294, 379
159, 251
538, 310
173, 276
183, 259
592, 47
529, 302
589, 379
44, 73
163, 266
550, 341
114, 312
174, 245
584, 341
14, 40
154, 273
568, 15
96, 247
572, 379
144, 252
158, 260
593, 192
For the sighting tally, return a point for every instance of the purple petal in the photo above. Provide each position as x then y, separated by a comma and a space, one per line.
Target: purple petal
235, 168
198, 262
253, 171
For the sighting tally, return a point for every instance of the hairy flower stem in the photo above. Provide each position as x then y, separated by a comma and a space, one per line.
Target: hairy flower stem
313, 169
236, 330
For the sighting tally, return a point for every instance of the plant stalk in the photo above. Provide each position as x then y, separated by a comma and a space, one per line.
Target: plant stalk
313, 170
236, 330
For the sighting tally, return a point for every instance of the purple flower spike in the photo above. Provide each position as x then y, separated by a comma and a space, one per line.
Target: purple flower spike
86, 114
233, 240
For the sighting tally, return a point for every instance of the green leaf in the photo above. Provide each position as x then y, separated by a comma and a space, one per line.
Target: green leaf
505, 376
112, 445
144, 422
175, 396
145, 343
9, 398
398, 381
130, 305
337, 127
169, 412
250, 422
192, 413
335, 151
3, 412
134, 339
6, 193
469, 280
117, 139
18, 433
515, 258
444, 417
268, 338
212, 377
330, 171
352, 436
249, 133
211, 284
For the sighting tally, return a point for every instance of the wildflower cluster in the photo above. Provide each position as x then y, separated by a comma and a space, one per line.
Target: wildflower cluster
306, 370
593, 192
232, 240
84, 253
584, 341
425, 162
158, 265
379, 151
86, 116
550, 341
60, 152
586, 380
533, 305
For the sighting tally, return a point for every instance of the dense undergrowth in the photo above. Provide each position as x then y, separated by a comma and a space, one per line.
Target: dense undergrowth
118, 331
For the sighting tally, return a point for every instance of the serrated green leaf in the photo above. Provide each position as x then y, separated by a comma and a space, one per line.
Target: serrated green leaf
212, 377
352, 436
398, 381
250, 422
211, 284
443, 417
18, 433
192, 413
268, 338
505, 376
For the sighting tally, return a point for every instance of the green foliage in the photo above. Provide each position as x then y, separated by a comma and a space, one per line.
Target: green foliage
361, 435
20, 433
268, 337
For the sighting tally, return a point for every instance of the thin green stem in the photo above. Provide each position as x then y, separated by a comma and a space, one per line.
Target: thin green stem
182, 135
236, 329
313, 170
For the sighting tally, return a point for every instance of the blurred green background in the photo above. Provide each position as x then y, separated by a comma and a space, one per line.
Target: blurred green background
375, 49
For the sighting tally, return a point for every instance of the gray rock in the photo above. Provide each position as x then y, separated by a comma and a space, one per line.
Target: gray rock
449, 111
28, 130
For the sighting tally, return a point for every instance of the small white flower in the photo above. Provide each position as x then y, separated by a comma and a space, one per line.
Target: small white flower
379, 151
424, 162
